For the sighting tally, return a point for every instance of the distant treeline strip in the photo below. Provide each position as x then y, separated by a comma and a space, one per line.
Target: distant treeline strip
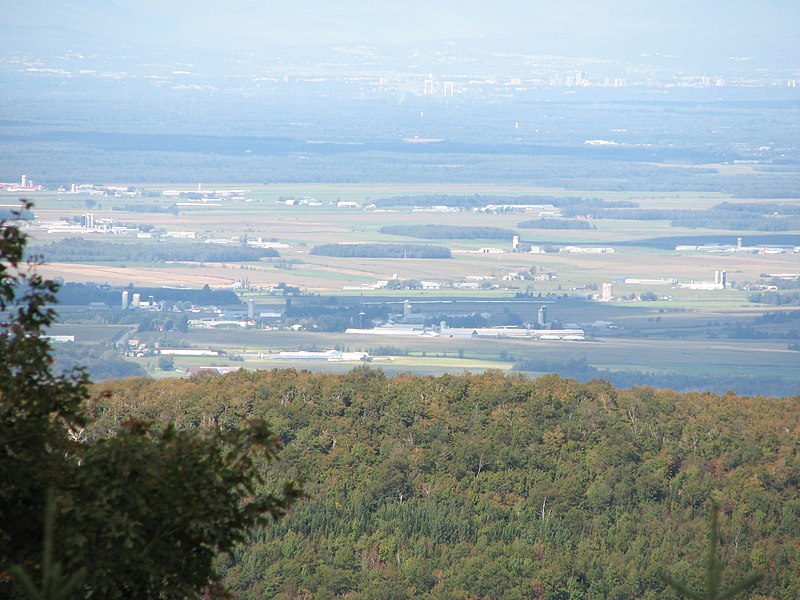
147, 207
449, 232
555, 224
748, 216
80, 250
669, 242
381, 251
776, 298
15, 214
575, 204
101, 362
581, 370
79, 294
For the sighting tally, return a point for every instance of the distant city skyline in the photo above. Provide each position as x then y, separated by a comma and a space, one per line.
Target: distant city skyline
681, 33
306, 90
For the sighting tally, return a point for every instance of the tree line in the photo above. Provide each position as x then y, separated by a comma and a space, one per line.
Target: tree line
555, 224
744, 383
441, 232
15, 214
75, 293
749, 216
147, 207
102, 362
381, 251
80, 250
775, 298
574, 204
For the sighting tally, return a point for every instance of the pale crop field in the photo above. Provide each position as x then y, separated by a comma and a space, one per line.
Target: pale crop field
675, 334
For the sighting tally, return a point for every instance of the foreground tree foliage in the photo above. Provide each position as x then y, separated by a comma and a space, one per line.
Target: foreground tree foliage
500, 486
139, 512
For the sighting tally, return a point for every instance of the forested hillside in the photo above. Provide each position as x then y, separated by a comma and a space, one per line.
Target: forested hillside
498, 486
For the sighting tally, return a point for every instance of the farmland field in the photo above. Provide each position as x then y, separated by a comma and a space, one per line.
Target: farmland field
680, 330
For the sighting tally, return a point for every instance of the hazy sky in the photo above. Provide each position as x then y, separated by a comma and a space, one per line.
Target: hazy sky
691, 29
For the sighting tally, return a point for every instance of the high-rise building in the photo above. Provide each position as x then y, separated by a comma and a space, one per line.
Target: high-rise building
428, 91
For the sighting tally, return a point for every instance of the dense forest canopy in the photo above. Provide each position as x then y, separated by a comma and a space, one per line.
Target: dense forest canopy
498, 486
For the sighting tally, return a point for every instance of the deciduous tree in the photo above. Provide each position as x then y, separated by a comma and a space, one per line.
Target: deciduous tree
140, 513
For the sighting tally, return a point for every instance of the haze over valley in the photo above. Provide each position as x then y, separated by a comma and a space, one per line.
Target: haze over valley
515, 287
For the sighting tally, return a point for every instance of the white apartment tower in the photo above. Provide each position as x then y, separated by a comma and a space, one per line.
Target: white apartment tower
428, 91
